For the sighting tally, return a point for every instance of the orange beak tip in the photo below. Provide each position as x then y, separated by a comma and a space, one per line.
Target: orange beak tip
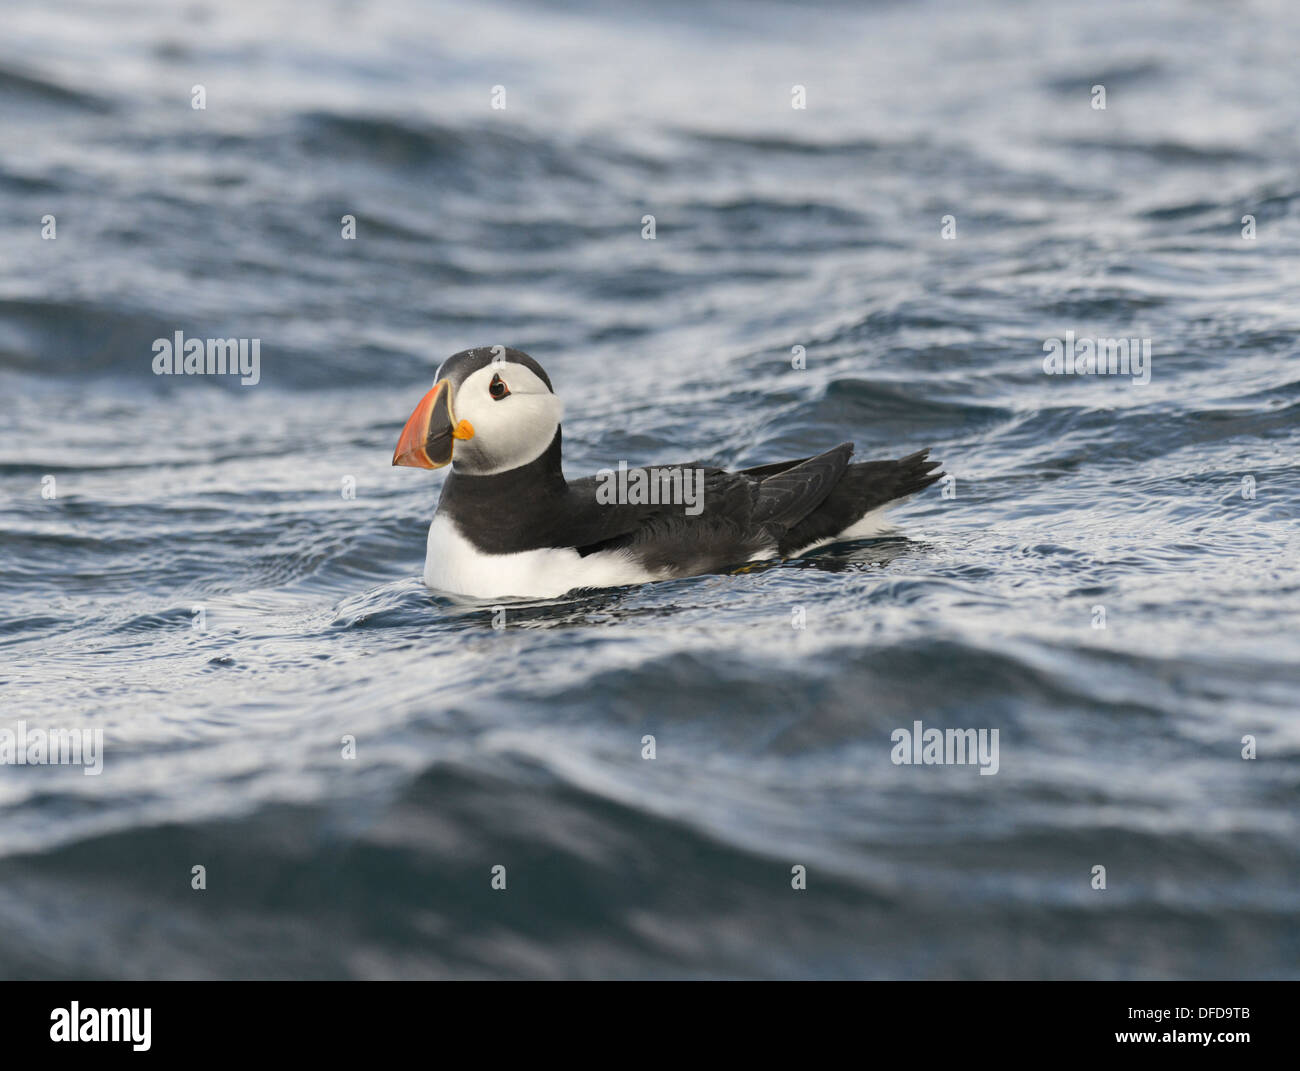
412, 445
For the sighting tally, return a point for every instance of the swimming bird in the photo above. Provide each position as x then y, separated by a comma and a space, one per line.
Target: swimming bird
509, 524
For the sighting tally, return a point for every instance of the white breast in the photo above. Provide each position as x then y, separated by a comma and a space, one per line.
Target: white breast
455, 565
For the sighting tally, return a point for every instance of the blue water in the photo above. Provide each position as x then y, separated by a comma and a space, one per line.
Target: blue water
194, 501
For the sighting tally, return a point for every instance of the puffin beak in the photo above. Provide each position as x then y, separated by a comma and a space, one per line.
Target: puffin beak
431, 432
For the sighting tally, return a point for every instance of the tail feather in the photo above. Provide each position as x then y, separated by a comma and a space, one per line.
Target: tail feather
864, 488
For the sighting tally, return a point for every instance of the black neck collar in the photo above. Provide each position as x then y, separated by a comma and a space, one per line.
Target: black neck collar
515, 493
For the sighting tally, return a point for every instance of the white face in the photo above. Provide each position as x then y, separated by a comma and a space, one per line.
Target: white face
508, 431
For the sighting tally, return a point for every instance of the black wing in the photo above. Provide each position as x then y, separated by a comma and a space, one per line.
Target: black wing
861, 489
736, 515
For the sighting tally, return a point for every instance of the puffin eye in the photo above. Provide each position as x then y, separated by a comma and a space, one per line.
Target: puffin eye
497, 388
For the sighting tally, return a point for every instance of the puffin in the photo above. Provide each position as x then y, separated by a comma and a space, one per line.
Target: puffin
509, 525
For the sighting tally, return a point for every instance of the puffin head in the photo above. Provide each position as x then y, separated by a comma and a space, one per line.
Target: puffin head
493, 408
